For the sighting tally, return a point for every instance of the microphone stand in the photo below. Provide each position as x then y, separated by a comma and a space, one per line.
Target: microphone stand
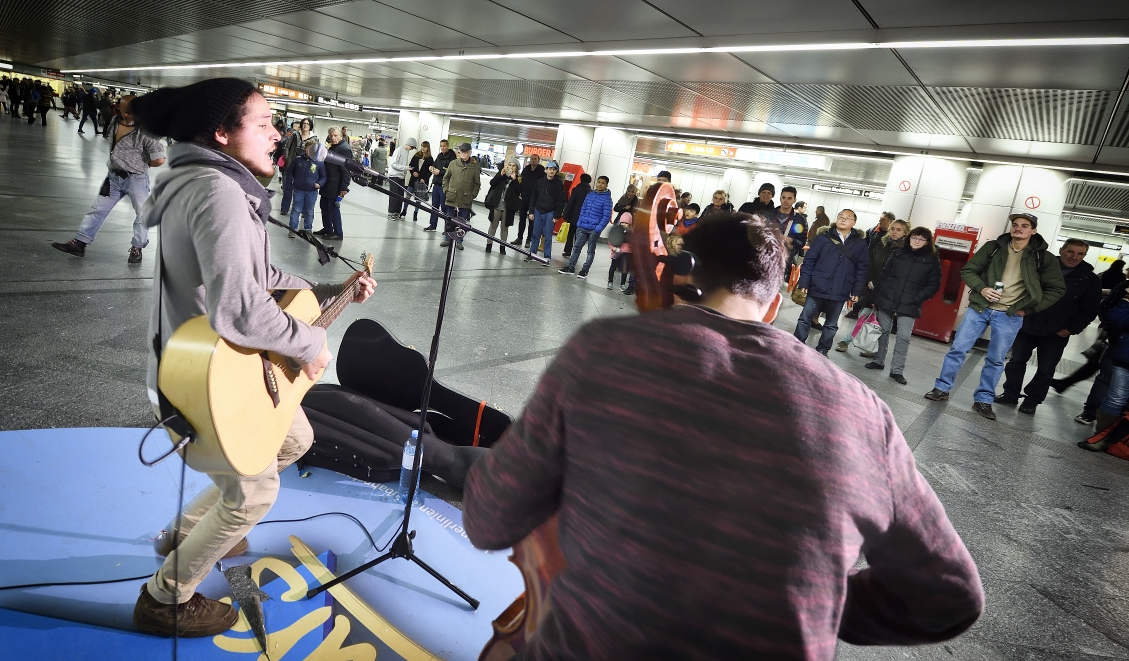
402, 545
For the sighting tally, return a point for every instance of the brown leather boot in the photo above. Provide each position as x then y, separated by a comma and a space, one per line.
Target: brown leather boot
1104, 420
163, 548
196, 618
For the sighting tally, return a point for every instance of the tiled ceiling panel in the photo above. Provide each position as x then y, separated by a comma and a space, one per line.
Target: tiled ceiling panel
1119, 132
503, 131
1061, 116
41, 30
743, 17
600, 20
1059, 67
861, 67
898, 13
903, 109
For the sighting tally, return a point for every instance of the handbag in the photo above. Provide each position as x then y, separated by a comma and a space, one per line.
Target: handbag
420, 186
799, 296
562, 233
867, 337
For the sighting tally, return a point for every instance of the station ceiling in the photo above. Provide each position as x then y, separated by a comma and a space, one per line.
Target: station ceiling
1064, 103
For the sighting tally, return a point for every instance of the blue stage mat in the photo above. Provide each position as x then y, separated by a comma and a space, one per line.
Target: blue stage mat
77, 505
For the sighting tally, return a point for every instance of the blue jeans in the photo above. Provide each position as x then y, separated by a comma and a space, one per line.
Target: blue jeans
304, 205
542, 228
450, 232
136, 186
437, 200
591, 237
1118, 392
812, 307
1004, 329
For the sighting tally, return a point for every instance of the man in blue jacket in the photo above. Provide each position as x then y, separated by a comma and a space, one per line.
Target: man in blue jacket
833, 271
305, 178
595, 214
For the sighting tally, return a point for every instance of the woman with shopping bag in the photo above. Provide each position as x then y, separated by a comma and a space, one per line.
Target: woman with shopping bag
911, 277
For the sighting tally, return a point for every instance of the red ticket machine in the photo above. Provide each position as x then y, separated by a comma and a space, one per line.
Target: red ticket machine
571, 174
955, 246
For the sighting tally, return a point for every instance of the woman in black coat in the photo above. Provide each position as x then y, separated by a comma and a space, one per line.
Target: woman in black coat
421, 162
911, 276
503, 200
1114, 275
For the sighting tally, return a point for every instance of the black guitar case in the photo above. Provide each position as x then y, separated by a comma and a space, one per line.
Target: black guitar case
361, 425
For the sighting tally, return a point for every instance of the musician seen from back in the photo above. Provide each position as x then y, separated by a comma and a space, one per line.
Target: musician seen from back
214, 259
716, 483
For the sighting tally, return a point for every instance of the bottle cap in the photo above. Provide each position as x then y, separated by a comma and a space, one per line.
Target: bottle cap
415, 433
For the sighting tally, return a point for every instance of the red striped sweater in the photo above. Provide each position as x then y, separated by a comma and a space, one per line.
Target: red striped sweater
716, 482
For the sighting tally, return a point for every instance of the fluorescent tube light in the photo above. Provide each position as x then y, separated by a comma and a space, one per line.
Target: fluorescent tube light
758, 48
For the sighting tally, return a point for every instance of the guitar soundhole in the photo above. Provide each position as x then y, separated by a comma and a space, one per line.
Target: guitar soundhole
277, 295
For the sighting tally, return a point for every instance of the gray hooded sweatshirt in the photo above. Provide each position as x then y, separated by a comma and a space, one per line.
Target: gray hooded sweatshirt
216, 255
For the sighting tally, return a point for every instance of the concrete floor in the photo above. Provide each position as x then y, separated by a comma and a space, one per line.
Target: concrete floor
1045, 520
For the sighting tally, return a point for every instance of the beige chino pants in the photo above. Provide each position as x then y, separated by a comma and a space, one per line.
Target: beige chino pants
221, 515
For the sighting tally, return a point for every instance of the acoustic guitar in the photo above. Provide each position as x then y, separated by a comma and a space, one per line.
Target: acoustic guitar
657, 265
241, 401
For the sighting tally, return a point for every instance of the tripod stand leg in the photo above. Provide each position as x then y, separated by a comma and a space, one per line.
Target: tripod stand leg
310, 594
439, 577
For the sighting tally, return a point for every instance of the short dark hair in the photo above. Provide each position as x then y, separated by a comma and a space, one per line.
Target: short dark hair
789, 189
738, 254
1076, 242
924, 233
604, 177
800, 203
685, 194
664, 173
695, 207
585, 178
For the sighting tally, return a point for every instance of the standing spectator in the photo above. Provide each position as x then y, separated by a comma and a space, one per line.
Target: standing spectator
876, 233
106, 112
689, 219
45, 102
335, 188
504, 201
306, 178
546, 202
684, 200
1009, 278
802, 210
31, 102
792, 225
132, 153
420, 168
295, 146
398, 176
70, 102
627, 201
711, 404
879, 253
379, 156
719, 204
1115, 319
1114, 275
89, 108
461, 184
833, 272
821, 221
4, 98
572, 209
439, 170
763, 204
1048, 331
14, 97
908, 279
621, 254
528, 179
595, 214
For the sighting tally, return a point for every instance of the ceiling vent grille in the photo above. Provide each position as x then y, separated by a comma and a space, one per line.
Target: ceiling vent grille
1062, 116
897, 109
1097, 197
1119, 134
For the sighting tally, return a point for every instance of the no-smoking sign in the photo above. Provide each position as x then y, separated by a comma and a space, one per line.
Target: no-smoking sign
1032, 202
903, 185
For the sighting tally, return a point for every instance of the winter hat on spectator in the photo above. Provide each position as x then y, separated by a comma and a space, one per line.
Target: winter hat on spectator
190, 112
767, 186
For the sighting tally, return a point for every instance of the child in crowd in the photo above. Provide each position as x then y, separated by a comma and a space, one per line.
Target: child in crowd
689, 217
621, 255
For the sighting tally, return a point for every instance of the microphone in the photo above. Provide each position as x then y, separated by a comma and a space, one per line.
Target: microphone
315, 151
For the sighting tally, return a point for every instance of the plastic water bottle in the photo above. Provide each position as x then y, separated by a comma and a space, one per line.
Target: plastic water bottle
999, 287
406, 468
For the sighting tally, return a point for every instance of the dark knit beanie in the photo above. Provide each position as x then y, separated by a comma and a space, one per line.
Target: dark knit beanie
183, 113
767, 186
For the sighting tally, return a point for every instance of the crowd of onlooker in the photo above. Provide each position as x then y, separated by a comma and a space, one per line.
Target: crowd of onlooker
82, 101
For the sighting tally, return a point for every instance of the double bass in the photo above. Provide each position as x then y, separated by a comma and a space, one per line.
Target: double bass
659, 267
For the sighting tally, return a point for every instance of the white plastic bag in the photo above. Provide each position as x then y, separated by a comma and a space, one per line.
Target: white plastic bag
866, 339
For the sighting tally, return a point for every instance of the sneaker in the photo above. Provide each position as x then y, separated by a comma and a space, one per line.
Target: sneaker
898, 378
1058, 386
459, 246
937, 395
1006, 400
567, 255
629, 291
842, 346
565, 270
547, 263
984, 409
582, 275
81, 131
196, 618
291, 235
429, 229
823, 353
527, 258
853, 314
1028, 407
134, 256
322, 232
868, 354
1084, 418
874, 366
445, 243
72, 247
609, 285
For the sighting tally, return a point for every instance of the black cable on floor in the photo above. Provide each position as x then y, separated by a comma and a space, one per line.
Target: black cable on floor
378, 549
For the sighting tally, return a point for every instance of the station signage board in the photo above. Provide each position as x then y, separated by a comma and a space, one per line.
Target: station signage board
698, 149
338, 104
282, 91
791, 159
529, 150
843, 190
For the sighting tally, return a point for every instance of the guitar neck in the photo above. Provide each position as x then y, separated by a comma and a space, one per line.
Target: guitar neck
339, 304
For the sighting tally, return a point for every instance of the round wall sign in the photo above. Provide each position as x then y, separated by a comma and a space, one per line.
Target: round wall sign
904, 186
519, 149
1032, 202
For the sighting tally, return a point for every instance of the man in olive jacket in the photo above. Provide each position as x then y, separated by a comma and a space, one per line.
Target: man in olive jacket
1009, 278
461, 183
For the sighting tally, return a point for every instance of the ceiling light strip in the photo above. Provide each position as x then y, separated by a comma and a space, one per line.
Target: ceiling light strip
755, 48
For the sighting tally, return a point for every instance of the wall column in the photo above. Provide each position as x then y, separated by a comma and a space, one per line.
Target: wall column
734, 181
1007, 189
574, 145
433, 128
611, 156
925, 190
409, 127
